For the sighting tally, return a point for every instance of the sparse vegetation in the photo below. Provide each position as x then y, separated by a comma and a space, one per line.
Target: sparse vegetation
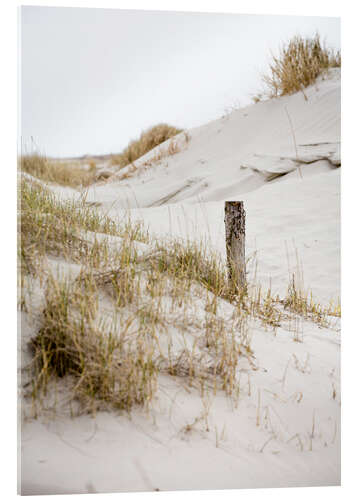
147, 295
192, 262
298, 65
163, 152
131, 314
302, 303
172, 149
148, 140
92, 166
64, 173
49, 226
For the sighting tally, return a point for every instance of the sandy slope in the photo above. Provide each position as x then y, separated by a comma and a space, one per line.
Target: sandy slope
233, 158
115, 453
294, 389
209, 167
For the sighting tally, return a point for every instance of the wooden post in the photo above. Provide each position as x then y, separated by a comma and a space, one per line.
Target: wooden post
235, 243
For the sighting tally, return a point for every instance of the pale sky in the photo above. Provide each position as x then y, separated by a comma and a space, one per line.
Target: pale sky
93, 79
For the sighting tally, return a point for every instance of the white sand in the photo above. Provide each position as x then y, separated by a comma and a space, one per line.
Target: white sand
231, 158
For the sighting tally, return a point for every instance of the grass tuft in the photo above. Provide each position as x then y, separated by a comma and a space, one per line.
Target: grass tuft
192, 261
298, 64
106, 369
147, 141
302, 303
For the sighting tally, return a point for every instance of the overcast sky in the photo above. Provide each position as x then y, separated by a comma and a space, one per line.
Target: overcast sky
92, 79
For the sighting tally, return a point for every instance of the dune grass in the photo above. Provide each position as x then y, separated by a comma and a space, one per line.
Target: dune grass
64, 173
74, 174
192, 261
106, 369
130, 315
147, 141
50, 226
298, 64
301, 302
115, 361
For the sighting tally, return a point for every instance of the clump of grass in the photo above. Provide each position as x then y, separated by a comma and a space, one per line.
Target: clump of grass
105, 368
265, 306
303, 304
192, 261
172, 149
148, 140
63, 173
299, 63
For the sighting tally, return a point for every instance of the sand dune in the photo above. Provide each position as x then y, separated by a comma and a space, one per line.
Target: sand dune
292, 202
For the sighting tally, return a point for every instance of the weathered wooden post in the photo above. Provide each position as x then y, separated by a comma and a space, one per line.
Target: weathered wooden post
234, 218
